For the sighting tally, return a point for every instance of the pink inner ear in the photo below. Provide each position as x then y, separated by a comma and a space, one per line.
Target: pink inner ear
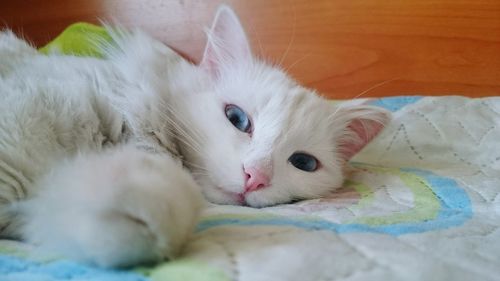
208, 61
362, 131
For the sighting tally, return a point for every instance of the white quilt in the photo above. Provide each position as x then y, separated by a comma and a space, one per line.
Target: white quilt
422, 203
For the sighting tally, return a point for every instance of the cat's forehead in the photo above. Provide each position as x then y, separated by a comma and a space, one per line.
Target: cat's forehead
260, 89
302, 116
255, 85
279, 107
296, 107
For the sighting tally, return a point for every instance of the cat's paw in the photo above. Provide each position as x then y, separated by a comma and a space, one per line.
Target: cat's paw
118, 208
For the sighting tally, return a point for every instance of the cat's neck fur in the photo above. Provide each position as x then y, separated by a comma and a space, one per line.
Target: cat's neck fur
158, 85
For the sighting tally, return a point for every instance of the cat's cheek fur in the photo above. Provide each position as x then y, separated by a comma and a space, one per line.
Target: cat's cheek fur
117, 208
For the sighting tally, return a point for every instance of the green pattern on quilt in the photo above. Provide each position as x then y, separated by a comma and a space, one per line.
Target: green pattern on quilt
181, 270
364, 191
426, 203
13, 250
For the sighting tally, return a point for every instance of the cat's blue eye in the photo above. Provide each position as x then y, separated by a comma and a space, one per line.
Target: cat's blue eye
238, 118
304, 162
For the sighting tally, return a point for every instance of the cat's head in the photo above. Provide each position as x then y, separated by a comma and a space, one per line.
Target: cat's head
257, 137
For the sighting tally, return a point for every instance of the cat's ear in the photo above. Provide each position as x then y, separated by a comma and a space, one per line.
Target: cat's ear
227, 43
361, 124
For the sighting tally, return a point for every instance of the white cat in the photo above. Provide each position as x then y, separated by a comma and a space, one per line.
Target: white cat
105, 160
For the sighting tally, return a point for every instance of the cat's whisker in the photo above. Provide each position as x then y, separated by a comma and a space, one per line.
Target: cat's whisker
194, 165
194, 173
297, 61
332, 116
200, 172
374, 87
175, 114
182, 137
180, 132
292, 38
195, 134
363, 93
185, 138
258, 39
186, 141
199, 169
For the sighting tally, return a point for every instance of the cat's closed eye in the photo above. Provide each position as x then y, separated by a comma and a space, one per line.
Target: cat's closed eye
304, 161
238, 118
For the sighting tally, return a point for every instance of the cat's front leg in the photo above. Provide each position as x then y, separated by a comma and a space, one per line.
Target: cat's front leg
118, 208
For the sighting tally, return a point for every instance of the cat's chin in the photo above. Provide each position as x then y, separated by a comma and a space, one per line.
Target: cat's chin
218, 195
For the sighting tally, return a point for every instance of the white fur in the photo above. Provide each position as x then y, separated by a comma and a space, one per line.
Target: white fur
92, 147
126, 206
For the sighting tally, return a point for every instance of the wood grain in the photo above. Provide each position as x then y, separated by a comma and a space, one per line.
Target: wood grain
341, 48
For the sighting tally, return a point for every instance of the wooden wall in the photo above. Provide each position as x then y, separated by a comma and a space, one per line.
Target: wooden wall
340, 47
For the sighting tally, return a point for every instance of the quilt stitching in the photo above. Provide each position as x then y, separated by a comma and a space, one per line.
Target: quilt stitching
428, 121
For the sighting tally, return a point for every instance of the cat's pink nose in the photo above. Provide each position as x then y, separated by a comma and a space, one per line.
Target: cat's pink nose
255, 179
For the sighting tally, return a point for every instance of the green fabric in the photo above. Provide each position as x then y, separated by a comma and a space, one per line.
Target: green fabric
181, 270
78, 39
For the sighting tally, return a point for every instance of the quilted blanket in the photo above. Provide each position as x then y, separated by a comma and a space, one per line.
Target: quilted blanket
422, 202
